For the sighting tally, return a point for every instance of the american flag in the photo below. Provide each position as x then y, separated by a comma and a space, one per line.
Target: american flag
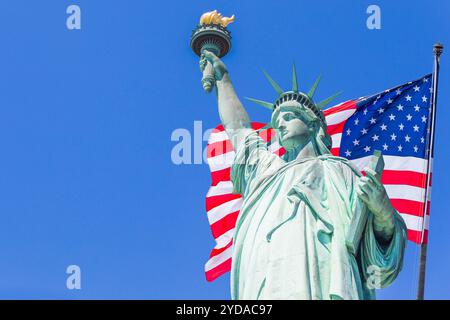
395, 121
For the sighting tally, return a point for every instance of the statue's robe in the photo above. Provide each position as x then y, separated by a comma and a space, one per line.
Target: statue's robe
290, 235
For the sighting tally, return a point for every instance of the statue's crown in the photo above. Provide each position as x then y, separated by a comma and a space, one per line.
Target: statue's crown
305, 99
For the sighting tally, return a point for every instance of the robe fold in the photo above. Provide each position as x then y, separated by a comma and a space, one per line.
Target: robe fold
290, 235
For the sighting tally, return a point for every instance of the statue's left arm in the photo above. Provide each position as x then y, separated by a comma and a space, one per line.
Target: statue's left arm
372, 192
384, 240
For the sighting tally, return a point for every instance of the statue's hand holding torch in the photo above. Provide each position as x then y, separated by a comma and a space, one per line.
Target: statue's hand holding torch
212, 66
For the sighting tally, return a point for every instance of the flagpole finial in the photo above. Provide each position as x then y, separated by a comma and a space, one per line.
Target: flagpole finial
438, 48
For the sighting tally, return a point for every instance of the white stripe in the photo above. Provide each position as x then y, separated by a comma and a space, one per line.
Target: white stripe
336, 140
338, 117
223, 187
395, 163
275, 146
217, 137
402, 191
427, 221
412, 222
220, 258
217, 213
221, 161
224, 239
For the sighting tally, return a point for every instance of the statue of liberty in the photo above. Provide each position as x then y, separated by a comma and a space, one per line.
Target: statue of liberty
290, 236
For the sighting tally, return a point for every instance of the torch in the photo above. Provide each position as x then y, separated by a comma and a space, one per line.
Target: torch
211, 34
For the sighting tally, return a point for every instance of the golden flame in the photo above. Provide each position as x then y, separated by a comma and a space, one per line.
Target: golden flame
213, 17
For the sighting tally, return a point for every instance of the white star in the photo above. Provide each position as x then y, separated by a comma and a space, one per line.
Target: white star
356, 122
385, 146
408, 98
391, 117
400, 107
416, 108
416, 128
422, 140
364, 131
431, 90
365, 111
409, 117
393, 137
425, 79
375, 137
348, 153
390, 101
356, 142
416, 148
401, 126
383, 127
424, 119
407, 138
416, 88
424, 99
372, 120
349, 131
380, 111
366, 148
400, 148
398, 91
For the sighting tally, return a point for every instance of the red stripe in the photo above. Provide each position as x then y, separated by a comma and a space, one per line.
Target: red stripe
416, 236
336, 128
257, 125
219, 128
224, 225
215, 201
216, 272
345, 106
218, 148
409, 178
335, 151
215, 252
411, 207
220, 175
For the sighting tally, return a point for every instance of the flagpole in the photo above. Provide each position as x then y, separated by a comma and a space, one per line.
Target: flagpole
437, 49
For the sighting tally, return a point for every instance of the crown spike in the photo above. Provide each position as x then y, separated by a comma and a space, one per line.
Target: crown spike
265, 104
273, 83
314, 87
323, 103
294, 78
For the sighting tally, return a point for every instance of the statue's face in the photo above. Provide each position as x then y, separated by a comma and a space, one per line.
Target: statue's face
291, 129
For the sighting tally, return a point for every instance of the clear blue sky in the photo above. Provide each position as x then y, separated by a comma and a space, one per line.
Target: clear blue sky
86, 118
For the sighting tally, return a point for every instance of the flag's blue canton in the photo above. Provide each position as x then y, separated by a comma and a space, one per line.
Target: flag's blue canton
394, 122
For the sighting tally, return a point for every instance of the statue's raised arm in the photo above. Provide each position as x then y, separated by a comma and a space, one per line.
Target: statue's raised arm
231, 111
